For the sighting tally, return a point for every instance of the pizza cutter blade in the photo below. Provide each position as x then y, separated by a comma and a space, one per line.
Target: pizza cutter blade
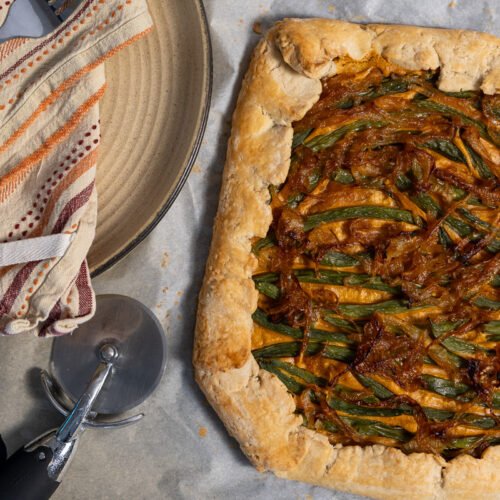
108, 366
133, 330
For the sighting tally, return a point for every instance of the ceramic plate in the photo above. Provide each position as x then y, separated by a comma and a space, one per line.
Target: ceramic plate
152, 118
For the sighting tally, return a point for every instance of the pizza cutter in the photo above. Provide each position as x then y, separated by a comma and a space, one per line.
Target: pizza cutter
107, 366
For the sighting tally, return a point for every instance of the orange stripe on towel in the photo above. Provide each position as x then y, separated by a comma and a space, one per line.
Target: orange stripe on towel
10, 181
9, 46
65, 86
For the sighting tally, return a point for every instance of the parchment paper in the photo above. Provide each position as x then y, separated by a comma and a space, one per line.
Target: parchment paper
181, 450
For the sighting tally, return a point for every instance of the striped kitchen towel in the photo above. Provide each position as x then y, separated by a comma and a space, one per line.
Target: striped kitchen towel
49, 141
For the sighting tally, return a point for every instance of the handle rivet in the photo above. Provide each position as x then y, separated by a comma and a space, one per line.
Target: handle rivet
41, 456
108, 353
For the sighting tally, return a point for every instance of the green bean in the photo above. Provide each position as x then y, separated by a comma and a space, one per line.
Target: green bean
266, 242
265, 277
463, 442
446, 388
486, 303
290, 383
260, 317
305, 375
321, 276
492, 330
329, 426
337, 259
296, 371
343, 176
462, 94
438, 415
492, 107
455, 344
295, 199
327, 277
466, 214
325, 141
268, 289
479, 164
444, 357
403, 183
292, 349
343, 324
358, 212
343, 278
345, 104
460, 346
428, 204
338, 353
364, 411
492, 327
428, 361
313, 179
365, 310
494, 246
469, 419
429, 105
299, 137
459, 226
493, 337
496, 400
378, 389
460, 194
442, 327
472, 200
386, 87
444, 238
479, 421
284, 350
372, 282
374, 428
390, 86
326, 336
445, 148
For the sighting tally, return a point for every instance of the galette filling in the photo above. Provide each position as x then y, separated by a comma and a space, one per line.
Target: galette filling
379, 278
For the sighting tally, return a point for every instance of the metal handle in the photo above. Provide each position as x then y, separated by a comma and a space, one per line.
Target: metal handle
74, 424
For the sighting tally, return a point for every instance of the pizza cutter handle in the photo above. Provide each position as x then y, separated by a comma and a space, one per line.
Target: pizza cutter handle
34, 472
25, 475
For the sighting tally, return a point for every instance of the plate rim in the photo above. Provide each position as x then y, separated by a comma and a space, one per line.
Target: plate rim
207, 95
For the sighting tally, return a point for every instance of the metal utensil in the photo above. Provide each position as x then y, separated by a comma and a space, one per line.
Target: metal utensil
109, 365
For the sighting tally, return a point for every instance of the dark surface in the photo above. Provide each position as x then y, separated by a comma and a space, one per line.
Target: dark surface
3, 451
24, 476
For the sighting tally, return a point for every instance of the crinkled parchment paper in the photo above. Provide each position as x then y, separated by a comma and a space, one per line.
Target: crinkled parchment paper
181, 450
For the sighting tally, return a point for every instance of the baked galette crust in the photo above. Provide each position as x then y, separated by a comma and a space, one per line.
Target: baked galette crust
281, 85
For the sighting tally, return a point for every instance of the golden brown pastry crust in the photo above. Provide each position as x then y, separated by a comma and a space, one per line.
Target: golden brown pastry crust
281, 85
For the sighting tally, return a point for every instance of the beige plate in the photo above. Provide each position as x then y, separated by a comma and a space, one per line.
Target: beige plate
153, 116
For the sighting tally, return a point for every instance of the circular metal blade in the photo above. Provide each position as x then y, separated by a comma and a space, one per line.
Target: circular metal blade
134, 330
